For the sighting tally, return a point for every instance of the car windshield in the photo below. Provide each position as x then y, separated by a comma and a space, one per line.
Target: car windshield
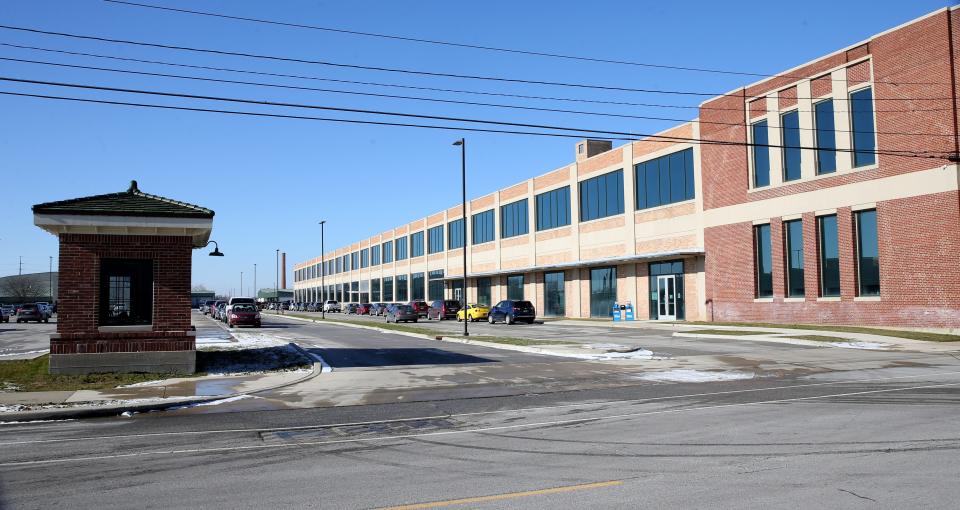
244, 308
29, 307
523, 304
451, 302
404, 308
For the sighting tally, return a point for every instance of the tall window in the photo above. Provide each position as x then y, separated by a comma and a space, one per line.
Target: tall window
355, 260
365, 257
554, 294
514, 219
387, 249
126, 292
435, 239
601, 196
375, 291
829, 251
826, 137
603, 291
400, 292
483, 227
868, 254
346, 263
339, 265
483, 291
375, 255
763, 261
435, 284
790, 126
455, 235
388, 289
401, 251
553, 208
416, 287
793, 244
656, 270
416, 244
664, 180
761, 154
861, 120
515, 287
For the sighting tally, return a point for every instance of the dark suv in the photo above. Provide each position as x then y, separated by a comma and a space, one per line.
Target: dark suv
33, 312
421, 307
443, 309
511, 311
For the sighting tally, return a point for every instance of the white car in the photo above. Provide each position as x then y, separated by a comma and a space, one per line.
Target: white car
331, 305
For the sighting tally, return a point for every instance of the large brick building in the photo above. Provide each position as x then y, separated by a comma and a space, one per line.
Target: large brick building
826, 194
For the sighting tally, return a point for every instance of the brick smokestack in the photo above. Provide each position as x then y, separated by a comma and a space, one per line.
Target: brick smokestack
283, 270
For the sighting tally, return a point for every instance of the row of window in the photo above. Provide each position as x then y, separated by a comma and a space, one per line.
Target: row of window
866, 260
862, 139
661, 181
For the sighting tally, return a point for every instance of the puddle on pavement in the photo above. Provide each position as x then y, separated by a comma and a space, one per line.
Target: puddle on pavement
207, 387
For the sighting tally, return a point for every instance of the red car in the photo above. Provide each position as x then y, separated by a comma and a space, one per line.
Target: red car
421, 307
364, 308
244, 315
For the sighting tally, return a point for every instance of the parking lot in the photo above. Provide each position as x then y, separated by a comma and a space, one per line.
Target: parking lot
25, 340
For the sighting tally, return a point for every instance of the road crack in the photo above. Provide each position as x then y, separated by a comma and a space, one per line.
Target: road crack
857, 495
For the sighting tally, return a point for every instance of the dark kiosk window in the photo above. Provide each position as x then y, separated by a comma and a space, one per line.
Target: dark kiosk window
861, 119
416, 244
435, 239
868, 254
513, 219
483, 291
601, 196
401, 290
126, 292
387, 249
761, 154
401, 248
515, 287
388, 289
553, 208
665, 180
829, 251
793, 237
455, 234
790, 125
435, 284
603, 291
416, 287
826, 137
554, 294
763, 261
483, 227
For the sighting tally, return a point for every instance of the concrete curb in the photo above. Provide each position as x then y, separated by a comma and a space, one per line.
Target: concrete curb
782, 340
79, 412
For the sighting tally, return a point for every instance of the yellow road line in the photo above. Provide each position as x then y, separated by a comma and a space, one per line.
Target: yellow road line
509, 495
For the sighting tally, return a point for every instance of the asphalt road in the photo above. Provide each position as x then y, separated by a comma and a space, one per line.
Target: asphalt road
25, 340
882, 434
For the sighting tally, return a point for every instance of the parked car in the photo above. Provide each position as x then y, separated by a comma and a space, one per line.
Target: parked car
9, 310
473, 313
243, 314
421, 307
240, 301
443, 309
378, 309
511, 311
401, 313
5, 313
205, 307
350, 308
364, 308
33, 312
332, 305
220, 310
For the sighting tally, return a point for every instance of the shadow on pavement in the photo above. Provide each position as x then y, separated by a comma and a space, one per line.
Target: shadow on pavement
352, 358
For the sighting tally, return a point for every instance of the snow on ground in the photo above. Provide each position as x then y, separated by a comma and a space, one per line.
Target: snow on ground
639, 354
144, 383
687, 375
41, 351
244, 340
212, 402
874, 346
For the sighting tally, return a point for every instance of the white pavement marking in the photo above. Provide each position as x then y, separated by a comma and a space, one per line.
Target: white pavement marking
462, 431
457, 415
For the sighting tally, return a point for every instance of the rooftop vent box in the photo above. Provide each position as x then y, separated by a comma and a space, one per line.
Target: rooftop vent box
590, 148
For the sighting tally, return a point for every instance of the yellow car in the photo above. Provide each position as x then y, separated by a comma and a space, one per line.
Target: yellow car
475, 312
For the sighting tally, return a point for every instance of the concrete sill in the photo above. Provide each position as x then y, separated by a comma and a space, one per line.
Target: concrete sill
828, 299
794, 300
763, 300
867, 298
123, 329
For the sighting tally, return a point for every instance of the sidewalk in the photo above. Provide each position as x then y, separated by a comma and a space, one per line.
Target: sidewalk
175, 392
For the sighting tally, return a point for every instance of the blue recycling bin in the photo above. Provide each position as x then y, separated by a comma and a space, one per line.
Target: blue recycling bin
615, 312
629, 312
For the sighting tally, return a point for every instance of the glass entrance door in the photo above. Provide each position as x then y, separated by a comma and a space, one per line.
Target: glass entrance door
667, 297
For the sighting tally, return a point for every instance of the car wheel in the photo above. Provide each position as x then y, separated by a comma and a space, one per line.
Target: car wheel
46, 321
490, 319
509, 320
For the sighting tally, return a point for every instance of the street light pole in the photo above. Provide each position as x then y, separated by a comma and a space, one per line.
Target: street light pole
463, 209
276, 283
323, 270
241, 282
255, 292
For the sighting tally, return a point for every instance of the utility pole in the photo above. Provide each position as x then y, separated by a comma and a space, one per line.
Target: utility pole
463, 181
241, 282
276, 283
323, 288
255, 292
20, 271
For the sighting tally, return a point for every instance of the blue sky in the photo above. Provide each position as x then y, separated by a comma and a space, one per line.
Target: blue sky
271, 180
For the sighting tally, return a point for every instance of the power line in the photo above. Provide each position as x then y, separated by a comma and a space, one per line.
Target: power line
408, 71
477, 46
617, 135
437, 100
412, 87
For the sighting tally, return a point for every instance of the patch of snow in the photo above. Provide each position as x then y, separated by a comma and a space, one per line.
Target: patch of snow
41, 351
873, 346
140, 384
687, 375
212, 402
128, 414
639, 354
32, 421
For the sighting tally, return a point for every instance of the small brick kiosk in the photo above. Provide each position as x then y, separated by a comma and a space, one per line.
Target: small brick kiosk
125, 273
